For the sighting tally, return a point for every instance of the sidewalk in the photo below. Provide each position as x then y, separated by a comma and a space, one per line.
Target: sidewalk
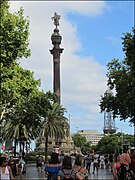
33, 174
102, 174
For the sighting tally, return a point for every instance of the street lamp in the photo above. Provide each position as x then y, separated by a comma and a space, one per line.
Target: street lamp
70, 125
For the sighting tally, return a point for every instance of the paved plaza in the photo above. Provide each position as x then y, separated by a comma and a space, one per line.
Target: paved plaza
32, 174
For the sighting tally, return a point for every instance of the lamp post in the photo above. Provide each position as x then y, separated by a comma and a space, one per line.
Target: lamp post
70, 130
0, 138
122, 142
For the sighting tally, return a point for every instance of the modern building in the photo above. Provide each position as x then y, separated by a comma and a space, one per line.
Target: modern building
92, 136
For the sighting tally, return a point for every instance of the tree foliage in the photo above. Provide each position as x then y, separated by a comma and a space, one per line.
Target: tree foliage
80, 141
52, 124
114, 143
13, 35
16, 83
26, 112
121, 77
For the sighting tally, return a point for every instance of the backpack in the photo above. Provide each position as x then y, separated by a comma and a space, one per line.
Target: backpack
122, 173
68, 176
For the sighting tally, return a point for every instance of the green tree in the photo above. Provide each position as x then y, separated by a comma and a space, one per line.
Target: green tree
24, 121
121, 77
14, 43
114, 143
18, 86
52, 124
80, 141
86, 148
21, 116
108, 144
13, 35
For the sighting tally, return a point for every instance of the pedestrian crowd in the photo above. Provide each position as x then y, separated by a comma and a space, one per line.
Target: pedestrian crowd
61, 167
74, 166
11, 168
124, 165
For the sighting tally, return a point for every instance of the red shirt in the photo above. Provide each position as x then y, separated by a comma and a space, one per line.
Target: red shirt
125, 159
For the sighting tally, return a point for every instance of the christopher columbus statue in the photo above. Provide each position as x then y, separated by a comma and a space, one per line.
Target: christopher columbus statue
56, 19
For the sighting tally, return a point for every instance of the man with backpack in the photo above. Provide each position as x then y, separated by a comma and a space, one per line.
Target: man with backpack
124, 171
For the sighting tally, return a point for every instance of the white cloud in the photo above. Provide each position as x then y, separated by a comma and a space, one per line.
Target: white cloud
113, 40
82, 79
81, 7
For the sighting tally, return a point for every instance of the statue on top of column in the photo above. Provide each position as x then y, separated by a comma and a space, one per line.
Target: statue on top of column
56, 19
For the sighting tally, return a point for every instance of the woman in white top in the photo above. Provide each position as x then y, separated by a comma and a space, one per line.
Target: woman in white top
5, 170
96, 162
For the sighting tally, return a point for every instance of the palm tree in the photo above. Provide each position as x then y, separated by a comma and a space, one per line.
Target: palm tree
19, 131
21, 123
15, 131
52, 124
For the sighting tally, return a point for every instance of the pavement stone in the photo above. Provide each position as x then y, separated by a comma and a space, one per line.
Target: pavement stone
33, 174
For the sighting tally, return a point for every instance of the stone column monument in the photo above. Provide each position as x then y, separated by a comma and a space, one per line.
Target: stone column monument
56, 51
65, 143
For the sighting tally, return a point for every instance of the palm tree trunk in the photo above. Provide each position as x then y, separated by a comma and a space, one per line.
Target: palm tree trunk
20, 146
46, 147
15, 143
23, 146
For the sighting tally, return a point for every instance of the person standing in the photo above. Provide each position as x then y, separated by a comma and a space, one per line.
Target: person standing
61, 157
5, 170
106, 163
88, 160
102, 162
39, 163
125, 158
96, 162
111, 161
54, 166
73, 156
116, 166
132, 164
125, 161
67, 171
12, 164
79, 167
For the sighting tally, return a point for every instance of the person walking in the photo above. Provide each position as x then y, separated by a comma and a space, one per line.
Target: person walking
5, 170
39, 163
80, 168
116, 166
54, 166
19, 168
125, 161
132, 157
125, 158
106, 163
61, 157
111, 162
96, 162
102, 162
12, 164
88, 160
73, 156
67, 172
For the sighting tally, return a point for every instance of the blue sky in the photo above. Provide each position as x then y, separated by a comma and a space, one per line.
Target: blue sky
101, 35
91, 37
